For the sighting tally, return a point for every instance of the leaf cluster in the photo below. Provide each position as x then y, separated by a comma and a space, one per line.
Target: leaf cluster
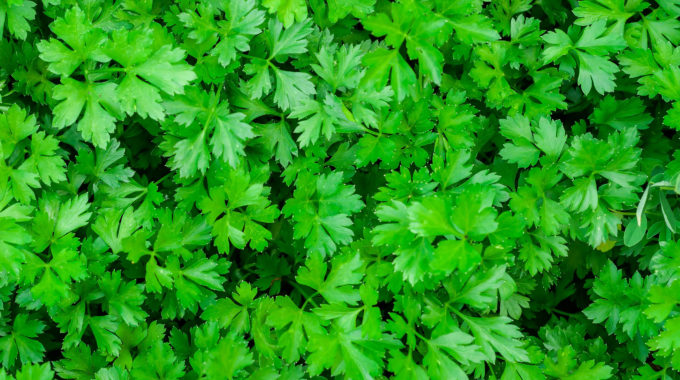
355, 189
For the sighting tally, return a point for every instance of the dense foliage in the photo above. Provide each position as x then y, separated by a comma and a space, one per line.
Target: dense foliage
289, 189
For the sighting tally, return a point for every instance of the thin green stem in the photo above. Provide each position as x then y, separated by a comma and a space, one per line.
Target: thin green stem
108, 70
371, 132
163, 178
308, 298
563, 313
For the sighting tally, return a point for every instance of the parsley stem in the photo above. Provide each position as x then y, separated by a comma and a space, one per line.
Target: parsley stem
564, 313
108, 70
419, 335
621, 212
308, 298
369, 131
632, 213
249, 56
213, 109
163, 178
493, 374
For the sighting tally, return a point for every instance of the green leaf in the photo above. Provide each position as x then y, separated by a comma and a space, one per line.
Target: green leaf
35, 372
72, 215
234, 348
672, 118
244, 23
287, 11
597, 72
322, 119
18, 14
620, 302
446, 352
98, 103
158, 361
210, 123
104, 330
237, 210
496, 334
325, 222
49, 166
640, 210
292, 88
229, 314
567, 368
620, 114
456, 254
335, 285
635, 232
123, 299
383, 64
22, 342
668, 215
296, 328
345, 352
662, 302
341, 69
292, 40
229, 136
14, 241
667, 341
83, 42
475, 29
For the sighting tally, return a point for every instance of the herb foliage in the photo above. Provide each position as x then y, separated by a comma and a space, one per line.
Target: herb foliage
359, 189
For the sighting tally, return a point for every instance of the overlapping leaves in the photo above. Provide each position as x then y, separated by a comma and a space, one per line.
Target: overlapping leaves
286, 189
